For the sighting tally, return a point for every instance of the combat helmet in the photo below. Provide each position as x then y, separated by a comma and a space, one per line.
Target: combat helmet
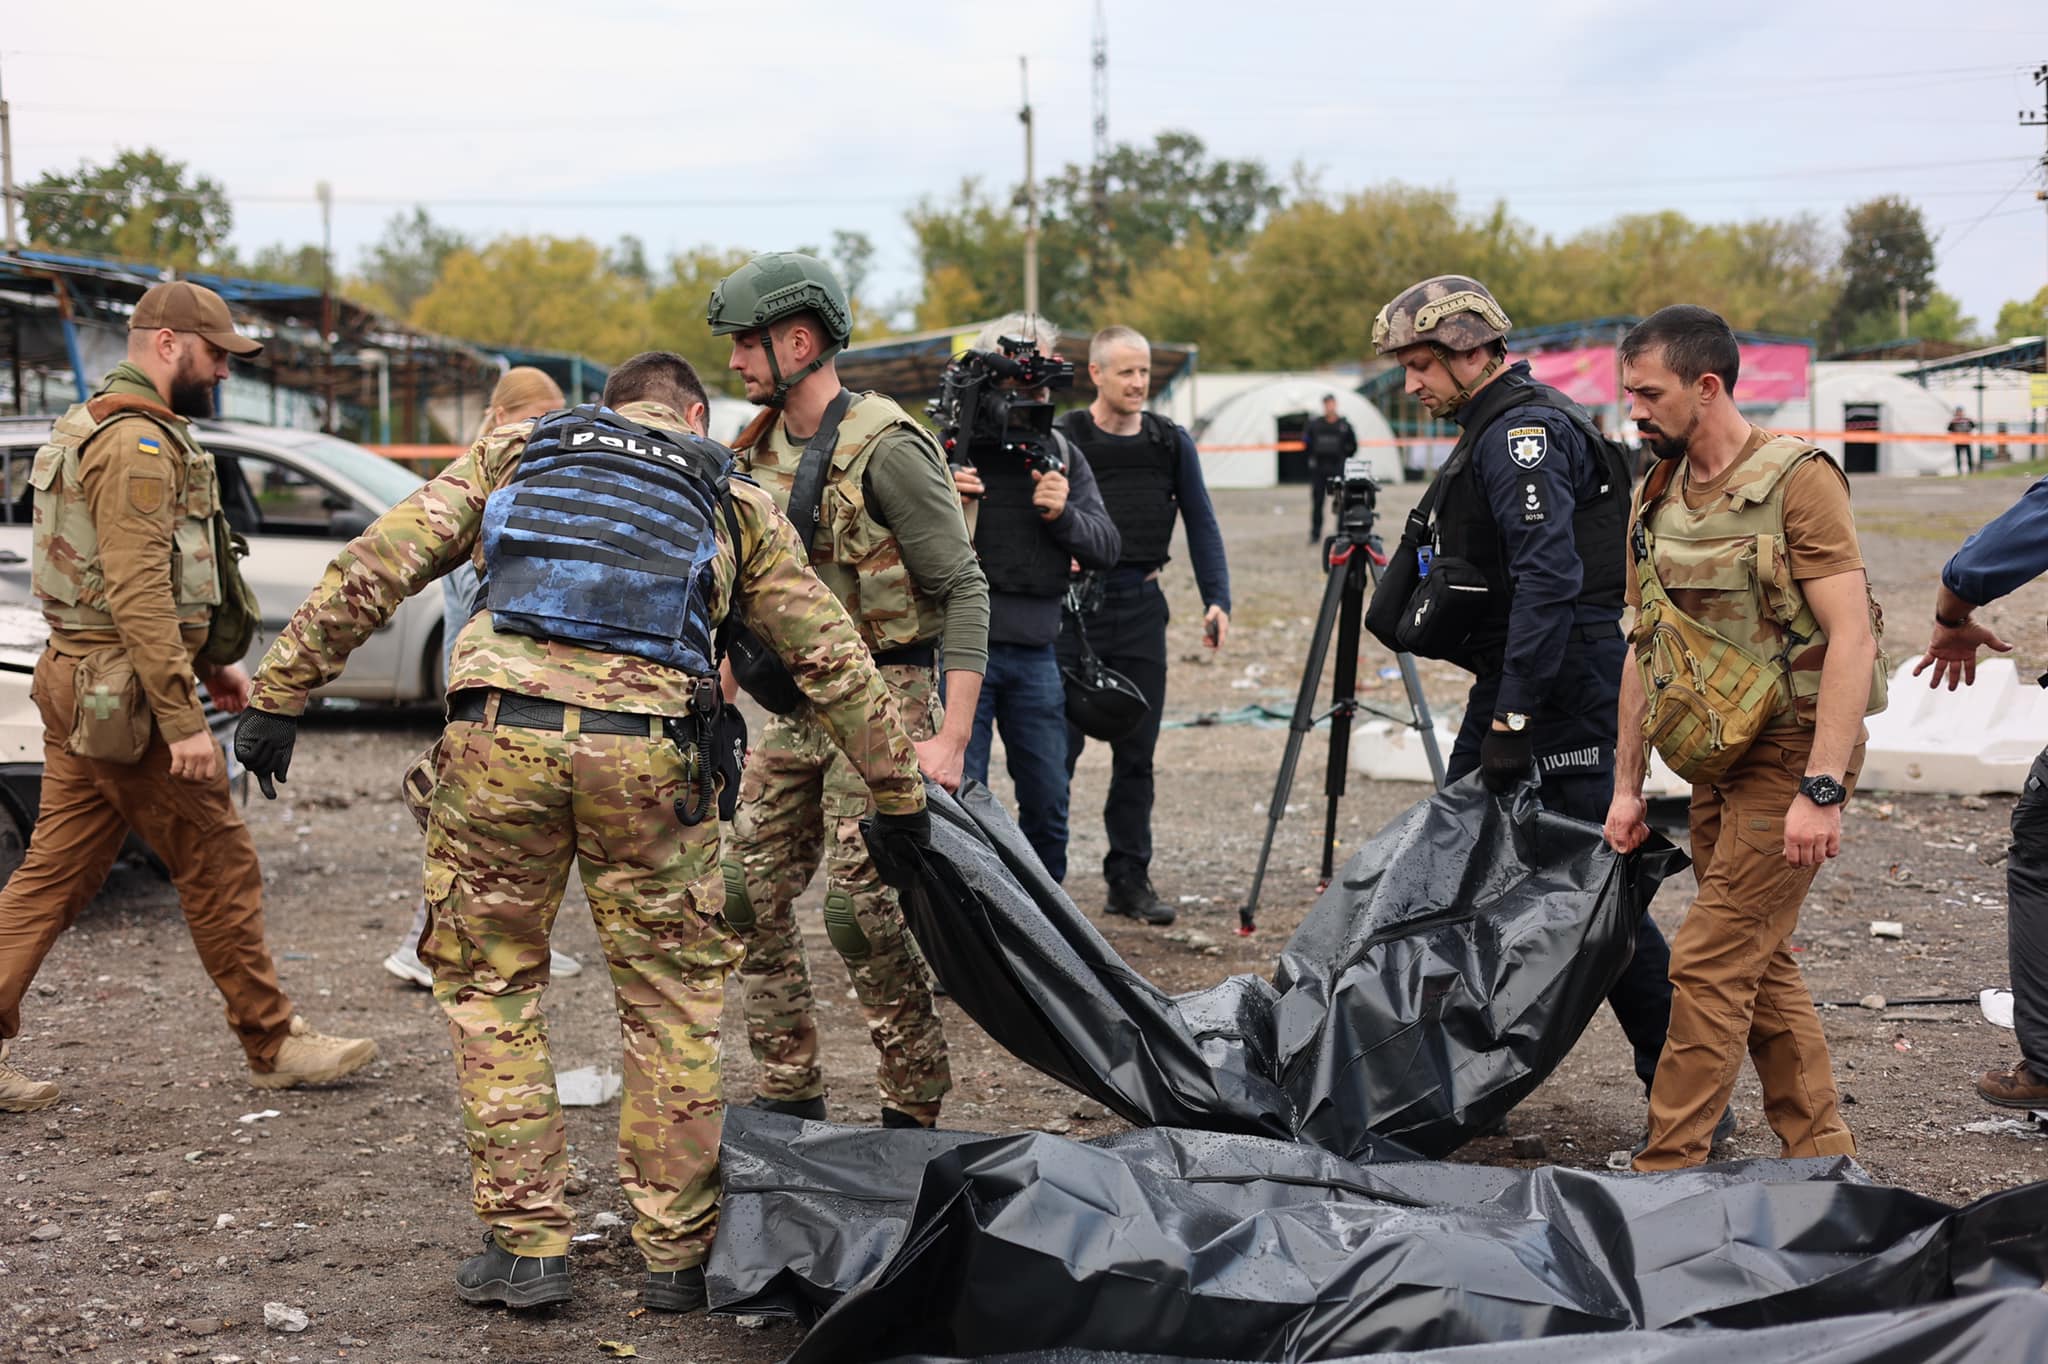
1448, 313
775, 285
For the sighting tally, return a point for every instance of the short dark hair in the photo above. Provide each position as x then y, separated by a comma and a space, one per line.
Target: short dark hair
1694, 340
656, 376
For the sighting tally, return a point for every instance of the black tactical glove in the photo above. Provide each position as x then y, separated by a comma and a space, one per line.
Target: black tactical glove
1505, 759
896, 844
263, 745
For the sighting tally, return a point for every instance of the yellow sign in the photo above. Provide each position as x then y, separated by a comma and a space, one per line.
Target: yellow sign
2037, 390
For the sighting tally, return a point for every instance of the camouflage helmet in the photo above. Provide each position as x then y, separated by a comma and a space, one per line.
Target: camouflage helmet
776, 285
1455, 312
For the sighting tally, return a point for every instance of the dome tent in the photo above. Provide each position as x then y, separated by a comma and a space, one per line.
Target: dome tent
1901, 405
1249, 417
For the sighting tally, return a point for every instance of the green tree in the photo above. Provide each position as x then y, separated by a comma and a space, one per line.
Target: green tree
282, 264
1886, 251
141, 206
2024, 317
401, 267
1941, 318
676, 312
547, 293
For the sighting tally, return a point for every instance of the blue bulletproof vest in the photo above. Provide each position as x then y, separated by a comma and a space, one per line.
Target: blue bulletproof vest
605, 537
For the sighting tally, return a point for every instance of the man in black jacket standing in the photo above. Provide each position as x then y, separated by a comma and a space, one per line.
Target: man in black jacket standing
1150, 477
1031, 524
1329, 441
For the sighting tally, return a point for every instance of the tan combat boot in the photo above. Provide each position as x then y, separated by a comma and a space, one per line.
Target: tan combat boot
18, 1093
311, 1058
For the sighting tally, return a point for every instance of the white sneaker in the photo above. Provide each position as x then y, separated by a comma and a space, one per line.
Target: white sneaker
404, 962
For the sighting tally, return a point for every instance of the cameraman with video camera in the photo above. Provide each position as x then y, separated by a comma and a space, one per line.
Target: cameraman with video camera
1037, 513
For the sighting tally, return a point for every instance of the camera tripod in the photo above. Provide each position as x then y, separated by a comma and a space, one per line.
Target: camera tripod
1352, 559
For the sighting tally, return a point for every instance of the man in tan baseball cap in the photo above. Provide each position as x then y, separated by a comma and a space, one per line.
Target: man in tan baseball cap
182, 306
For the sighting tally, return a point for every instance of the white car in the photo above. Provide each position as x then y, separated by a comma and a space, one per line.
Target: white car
298, 496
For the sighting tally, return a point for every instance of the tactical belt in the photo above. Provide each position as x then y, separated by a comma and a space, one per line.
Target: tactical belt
472, 705
907, 656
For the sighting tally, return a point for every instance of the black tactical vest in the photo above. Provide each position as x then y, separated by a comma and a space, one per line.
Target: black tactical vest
1325, 441
1137, 476
1464, 522
1017, 553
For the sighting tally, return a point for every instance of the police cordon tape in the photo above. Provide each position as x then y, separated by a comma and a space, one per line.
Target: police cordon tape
430, 459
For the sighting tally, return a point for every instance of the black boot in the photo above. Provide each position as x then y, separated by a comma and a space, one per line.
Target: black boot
813, 1109
677, 1290
896, 1117
498, 1276
1135, 899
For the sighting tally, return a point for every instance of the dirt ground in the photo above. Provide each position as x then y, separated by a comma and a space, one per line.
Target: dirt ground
146, 1217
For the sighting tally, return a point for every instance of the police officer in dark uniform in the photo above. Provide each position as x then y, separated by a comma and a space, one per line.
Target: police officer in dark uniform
1150, 477
1328, 441
1535, 501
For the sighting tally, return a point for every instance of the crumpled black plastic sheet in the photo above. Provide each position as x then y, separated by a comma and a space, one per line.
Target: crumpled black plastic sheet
1208, 1246
2007, 1326
1438, 981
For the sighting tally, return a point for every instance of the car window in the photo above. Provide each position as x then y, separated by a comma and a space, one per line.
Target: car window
285, 500
376, 475
17, 499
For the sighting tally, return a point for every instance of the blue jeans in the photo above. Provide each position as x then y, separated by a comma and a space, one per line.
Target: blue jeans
1022, 692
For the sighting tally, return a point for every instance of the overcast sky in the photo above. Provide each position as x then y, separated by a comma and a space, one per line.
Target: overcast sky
764, 126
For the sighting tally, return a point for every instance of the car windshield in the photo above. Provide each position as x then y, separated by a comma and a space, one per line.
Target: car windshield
391, 483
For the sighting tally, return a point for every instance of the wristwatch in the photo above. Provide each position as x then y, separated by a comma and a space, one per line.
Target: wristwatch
1823, 790
1514, 720
1947, 624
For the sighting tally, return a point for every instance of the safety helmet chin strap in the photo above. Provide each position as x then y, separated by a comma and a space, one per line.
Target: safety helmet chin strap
1465, 390
782, 386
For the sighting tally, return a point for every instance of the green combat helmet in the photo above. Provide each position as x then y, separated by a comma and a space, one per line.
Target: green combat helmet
775, 285
1448, 313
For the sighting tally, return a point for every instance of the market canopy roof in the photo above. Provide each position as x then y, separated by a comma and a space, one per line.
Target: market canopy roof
2021, 353
907, 367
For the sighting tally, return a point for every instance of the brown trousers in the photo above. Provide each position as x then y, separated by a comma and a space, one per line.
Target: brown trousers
1734, 985
87, 808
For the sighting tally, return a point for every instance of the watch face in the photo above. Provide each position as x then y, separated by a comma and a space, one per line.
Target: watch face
1823, 790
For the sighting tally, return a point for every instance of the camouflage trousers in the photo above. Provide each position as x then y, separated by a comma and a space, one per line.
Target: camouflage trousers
512, 810
800, 800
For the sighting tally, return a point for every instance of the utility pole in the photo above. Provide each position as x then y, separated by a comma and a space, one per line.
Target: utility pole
324, 192
2027, 120
1098, 96
7, 172
1904, 325
1030, 195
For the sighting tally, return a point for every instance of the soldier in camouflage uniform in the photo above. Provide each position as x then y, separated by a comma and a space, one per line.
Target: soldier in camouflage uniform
555, 756
892, 544
124, 568
1744, 542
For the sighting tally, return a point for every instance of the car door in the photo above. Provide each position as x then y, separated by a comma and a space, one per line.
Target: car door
17, 511
296, 522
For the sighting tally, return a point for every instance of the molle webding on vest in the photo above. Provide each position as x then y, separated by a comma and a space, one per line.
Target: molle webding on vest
605, 536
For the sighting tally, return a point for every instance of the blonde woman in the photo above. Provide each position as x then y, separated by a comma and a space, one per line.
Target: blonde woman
522, 394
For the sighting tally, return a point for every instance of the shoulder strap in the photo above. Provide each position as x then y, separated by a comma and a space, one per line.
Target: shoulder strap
808, 489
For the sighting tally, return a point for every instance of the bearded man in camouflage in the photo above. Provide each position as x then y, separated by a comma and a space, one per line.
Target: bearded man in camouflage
612, 548
868, 491
1750, 536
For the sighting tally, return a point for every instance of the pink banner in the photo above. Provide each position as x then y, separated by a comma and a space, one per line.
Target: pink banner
1770, 373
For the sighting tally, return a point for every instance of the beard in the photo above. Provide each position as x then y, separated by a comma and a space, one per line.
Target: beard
1663, 444
192, 398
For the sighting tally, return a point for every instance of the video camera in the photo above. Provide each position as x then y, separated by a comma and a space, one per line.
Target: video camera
978, 419
1354, 497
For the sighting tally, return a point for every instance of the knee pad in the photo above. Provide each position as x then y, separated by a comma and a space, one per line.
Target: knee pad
739, 910
843, 928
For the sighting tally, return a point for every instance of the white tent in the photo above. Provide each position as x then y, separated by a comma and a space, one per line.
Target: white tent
1250, 417
1902, 405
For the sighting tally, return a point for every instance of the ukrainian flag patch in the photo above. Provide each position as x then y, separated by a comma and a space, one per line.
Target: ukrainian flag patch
148, 445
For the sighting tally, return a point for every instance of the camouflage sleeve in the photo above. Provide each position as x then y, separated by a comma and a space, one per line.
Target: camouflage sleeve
796, 615
133, 494
403, 550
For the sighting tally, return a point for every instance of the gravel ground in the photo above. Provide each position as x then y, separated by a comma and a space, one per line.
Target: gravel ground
145, 1219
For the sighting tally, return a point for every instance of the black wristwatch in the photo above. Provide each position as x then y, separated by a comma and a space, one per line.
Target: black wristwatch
1823, 790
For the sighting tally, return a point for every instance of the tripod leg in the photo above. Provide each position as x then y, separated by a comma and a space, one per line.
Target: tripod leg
1297, 730
1343, 698
1418, 703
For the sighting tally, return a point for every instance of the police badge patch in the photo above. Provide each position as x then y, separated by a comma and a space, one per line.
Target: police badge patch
1528, 445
